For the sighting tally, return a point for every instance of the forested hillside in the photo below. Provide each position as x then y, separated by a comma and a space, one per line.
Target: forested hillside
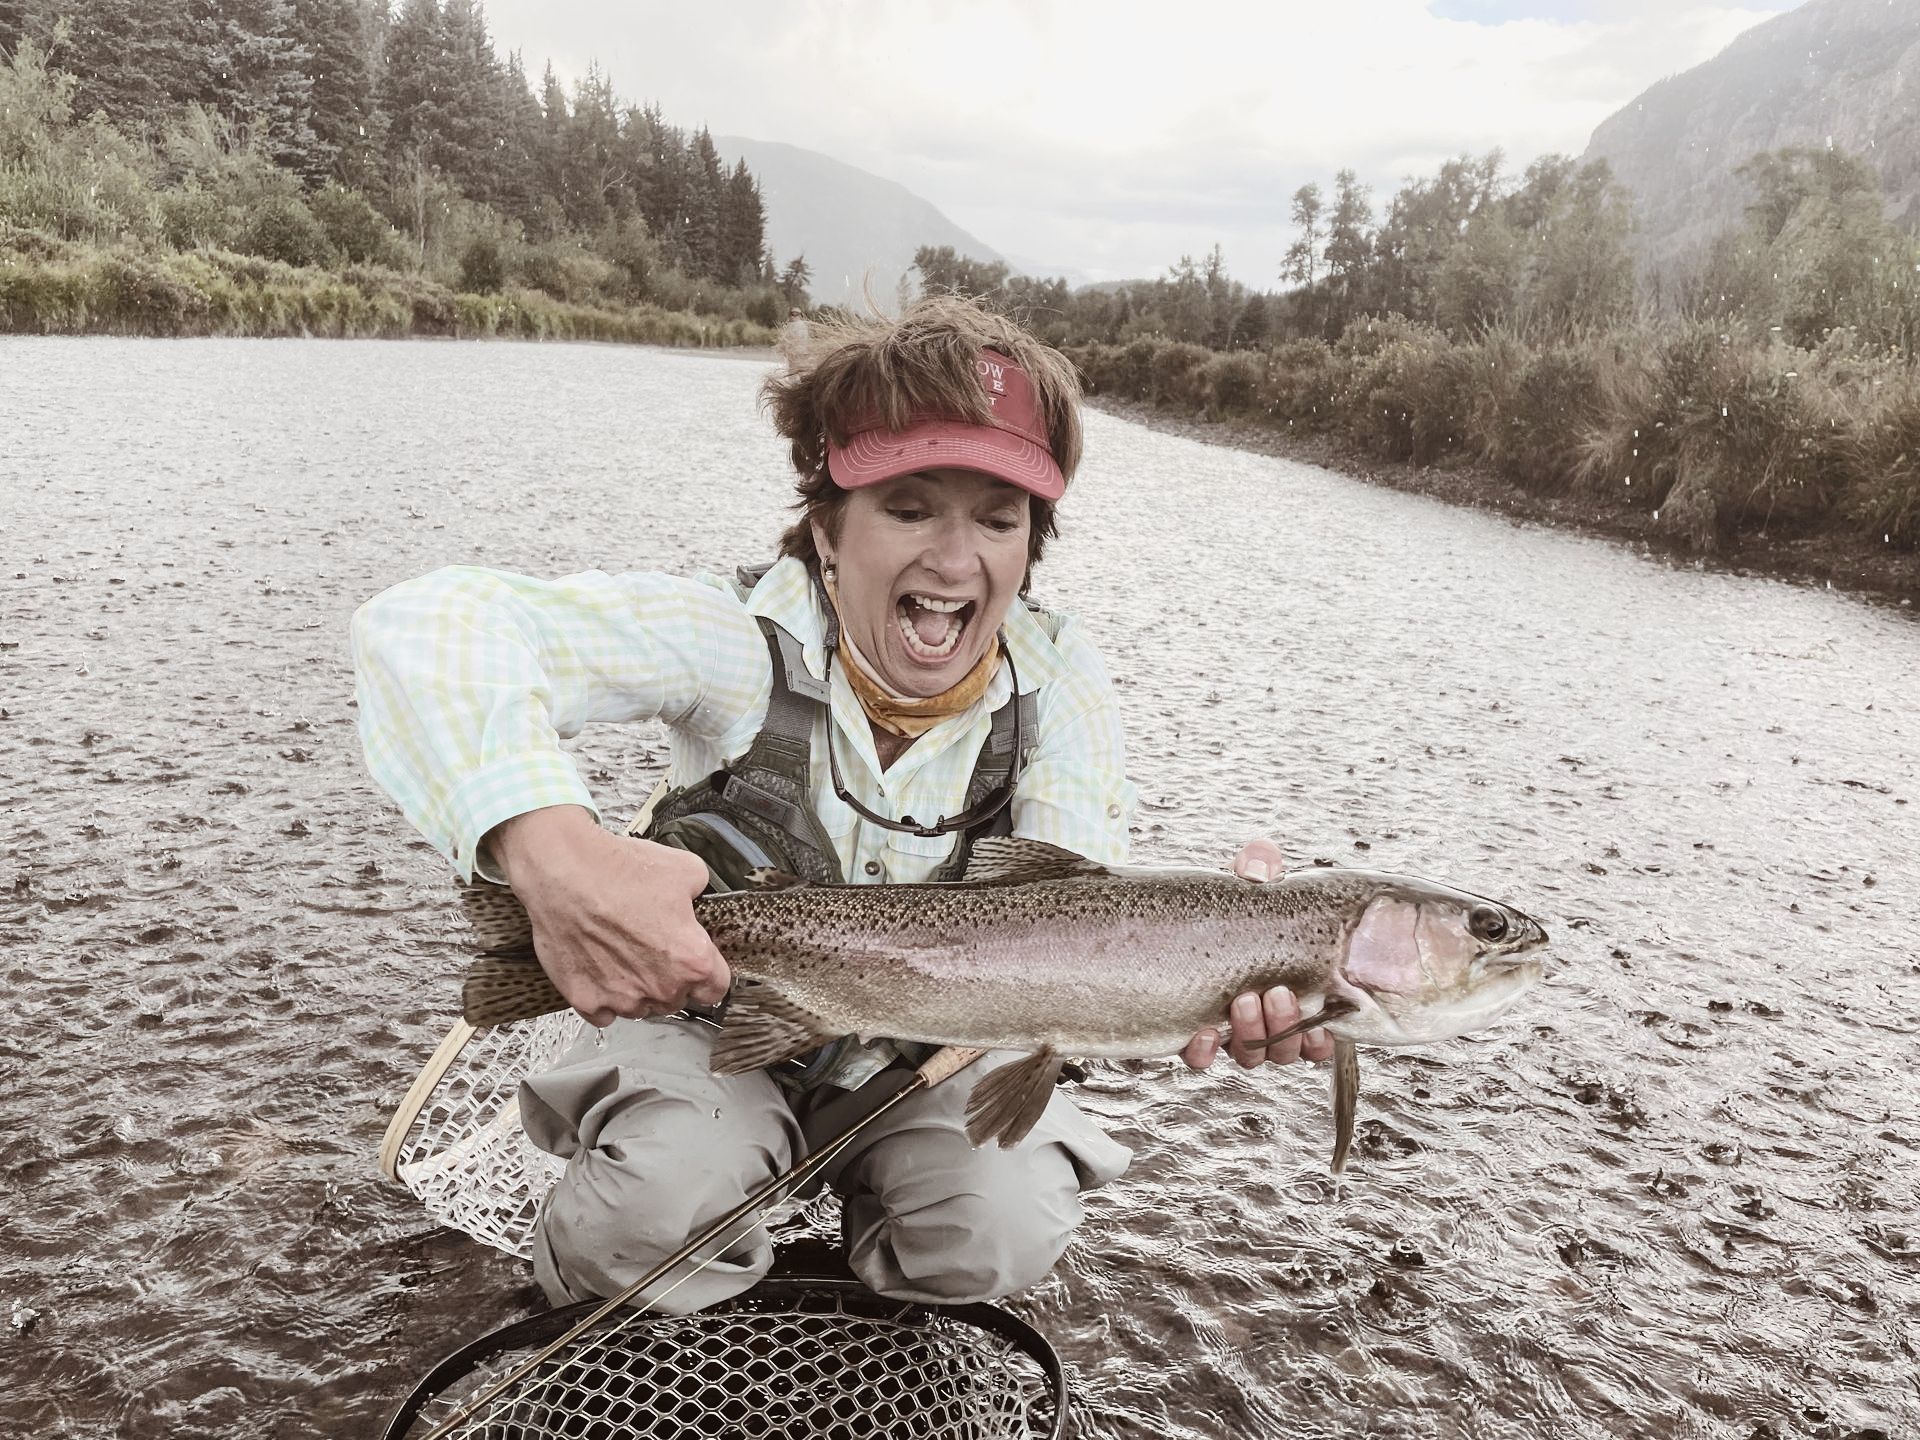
334, 133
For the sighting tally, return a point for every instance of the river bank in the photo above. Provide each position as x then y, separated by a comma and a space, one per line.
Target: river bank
1841, 559
49, 287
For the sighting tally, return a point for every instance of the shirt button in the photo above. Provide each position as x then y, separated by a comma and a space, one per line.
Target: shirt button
872, 867
1113, 812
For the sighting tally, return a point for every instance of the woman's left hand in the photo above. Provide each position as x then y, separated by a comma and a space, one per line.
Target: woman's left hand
1253, 1015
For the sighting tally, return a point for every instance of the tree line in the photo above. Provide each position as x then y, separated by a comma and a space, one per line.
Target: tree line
410, 111
1765, 386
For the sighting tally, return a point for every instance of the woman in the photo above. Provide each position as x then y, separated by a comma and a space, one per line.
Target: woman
863, 710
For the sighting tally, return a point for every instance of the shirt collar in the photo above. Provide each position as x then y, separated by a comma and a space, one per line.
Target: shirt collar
787, 596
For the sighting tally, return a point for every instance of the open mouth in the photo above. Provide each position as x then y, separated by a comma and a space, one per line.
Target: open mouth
930, 627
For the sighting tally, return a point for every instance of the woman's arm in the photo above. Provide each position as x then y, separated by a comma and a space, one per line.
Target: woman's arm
467, 681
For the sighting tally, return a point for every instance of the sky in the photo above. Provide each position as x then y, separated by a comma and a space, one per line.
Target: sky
1106, 138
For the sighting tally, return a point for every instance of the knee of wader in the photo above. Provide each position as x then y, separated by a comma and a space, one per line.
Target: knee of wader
605, 1224
1001, 1228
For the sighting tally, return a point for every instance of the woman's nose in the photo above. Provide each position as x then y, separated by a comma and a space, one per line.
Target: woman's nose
953, 551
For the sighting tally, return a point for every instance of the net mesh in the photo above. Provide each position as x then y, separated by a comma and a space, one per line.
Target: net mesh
809, 1365
465, 1155
469, 1162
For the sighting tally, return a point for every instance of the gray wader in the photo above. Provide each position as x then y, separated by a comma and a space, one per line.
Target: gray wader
657, 1146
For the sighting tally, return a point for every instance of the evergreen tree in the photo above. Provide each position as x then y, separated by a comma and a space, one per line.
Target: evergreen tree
743, 229
408, 89
519, 181
135, 63
470, 123
706, 250
259, 76
338, 35
793, 281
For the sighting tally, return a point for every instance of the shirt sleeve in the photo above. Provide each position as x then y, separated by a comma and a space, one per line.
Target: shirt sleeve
468, 679
1075, 792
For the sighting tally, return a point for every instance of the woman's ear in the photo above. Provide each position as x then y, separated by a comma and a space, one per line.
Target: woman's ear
820, 545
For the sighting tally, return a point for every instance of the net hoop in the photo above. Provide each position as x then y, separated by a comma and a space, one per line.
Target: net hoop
778, 1294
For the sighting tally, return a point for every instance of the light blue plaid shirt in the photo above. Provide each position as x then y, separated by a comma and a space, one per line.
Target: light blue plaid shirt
468, 679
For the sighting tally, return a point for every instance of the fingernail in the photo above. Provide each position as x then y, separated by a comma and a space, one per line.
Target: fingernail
1257, 870
1245, 1007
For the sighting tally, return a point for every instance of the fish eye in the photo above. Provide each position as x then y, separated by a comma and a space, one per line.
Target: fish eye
1487, 922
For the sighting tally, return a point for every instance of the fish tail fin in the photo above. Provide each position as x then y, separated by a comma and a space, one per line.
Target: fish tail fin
1346, 1097
500, 989
1008, 1103
762, 1027
495, 915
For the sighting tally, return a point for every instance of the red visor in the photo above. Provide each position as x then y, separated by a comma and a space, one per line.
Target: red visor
1012, 448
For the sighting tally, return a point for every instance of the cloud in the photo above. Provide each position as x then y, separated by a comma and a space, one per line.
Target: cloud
1113, 137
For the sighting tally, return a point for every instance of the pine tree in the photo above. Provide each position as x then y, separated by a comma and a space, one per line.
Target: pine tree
519, 181
135, 63
259, 76
744, 229
338, 35
1349, 239
705, 205
408, 89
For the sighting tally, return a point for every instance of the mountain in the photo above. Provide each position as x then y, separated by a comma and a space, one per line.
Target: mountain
1839, 72
857, 230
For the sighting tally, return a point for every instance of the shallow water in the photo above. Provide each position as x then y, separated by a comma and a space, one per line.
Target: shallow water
1673, 1194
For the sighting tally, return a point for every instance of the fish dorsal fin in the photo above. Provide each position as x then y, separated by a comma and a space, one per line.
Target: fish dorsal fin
766, 877
1010, 860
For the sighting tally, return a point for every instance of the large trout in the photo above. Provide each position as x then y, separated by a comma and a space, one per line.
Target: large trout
1042, 950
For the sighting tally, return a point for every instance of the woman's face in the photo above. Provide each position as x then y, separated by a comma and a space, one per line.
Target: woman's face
928, 564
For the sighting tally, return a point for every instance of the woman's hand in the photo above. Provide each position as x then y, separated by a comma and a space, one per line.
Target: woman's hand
613, 920
1254, 1016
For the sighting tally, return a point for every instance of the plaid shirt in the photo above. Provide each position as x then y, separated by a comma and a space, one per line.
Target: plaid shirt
468, 679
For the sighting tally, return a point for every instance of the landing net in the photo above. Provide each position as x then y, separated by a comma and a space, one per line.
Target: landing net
465, 1155
793, 1360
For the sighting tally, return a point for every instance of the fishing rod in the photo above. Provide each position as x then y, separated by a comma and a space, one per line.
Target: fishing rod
943, 1065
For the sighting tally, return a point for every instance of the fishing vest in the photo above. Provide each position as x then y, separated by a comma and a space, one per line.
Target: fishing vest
757, 811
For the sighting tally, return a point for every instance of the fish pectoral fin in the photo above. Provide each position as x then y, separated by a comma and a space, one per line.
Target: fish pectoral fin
766, 877
1008, 1103
1346, 1096
762, 1027
1011, 860
500, 989
1335, 1008
495, 915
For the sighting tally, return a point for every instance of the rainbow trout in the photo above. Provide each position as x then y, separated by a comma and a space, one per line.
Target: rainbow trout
1042, 950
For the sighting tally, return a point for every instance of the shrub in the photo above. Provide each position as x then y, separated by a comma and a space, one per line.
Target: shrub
280, 227
1302, 383
1882, 494
483, 269
356, 231
1408, 395
1232, 383
1175, 374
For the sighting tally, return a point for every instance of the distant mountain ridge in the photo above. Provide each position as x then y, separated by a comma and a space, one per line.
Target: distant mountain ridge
1832, 72
857, 230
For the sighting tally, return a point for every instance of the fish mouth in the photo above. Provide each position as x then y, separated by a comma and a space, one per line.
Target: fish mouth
931, 627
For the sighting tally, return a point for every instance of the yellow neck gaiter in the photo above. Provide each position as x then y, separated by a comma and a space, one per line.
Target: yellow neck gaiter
900, 714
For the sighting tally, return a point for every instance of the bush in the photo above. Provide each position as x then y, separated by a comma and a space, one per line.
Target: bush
1409, 391
142, 297
1175, 372
355, 231
1232, 383
282, 228
483, 269
1882, 493
1302, 384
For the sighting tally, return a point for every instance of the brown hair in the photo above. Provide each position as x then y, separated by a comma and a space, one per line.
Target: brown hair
855, 371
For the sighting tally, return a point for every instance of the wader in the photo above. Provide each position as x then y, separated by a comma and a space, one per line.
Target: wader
657, 1146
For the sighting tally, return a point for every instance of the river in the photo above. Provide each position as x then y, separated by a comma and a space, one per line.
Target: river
1676, 1192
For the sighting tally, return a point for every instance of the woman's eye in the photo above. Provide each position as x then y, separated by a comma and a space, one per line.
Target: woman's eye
908, 516
1002, 526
